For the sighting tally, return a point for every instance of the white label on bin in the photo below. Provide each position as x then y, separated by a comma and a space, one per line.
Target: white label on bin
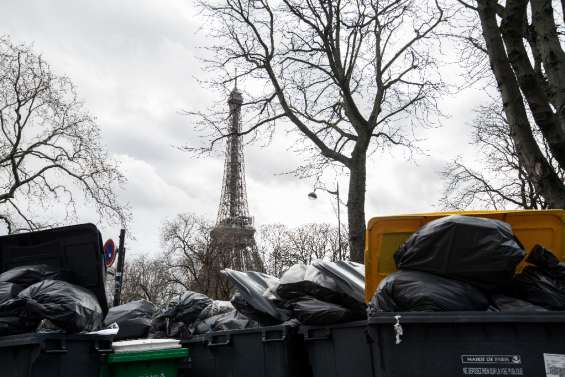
554, 365
492, 365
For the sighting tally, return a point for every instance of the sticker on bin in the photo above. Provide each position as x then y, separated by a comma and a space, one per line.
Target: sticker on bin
492, 365
145, 345
554, 365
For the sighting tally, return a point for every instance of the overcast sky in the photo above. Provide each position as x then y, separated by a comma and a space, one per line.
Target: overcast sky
135, 63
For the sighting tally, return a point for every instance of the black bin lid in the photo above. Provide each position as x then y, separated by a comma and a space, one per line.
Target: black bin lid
76, 250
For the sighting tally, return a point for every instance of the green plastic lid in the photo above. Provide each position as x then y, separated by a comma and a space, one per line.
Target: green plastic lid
126, 357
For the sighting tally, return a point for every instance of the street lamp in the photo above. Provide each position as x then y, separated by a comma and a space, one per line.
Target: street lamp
313, 196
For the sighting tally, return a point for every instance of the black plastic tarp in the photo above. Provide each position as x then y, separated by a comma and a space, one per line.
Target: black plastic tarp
134, 319
477, 250
405, 291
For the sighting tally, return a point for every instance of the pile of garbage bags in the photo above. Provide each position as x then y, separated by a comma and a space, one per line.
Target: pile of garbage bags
39, 296
461, 263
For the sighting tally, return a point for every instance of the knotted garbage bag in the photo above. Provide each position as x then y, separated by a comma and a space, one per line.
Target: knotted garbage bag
481, 251
405, 291
134, 319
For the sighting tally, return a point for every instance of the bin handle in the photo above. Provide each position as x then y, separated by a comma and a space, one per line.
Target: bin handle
267, 339
55, 346
103, 347
212, 343
324, 334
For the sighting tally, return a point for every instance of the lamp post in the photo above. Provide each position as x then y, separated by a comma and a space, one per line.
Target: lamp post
313, 196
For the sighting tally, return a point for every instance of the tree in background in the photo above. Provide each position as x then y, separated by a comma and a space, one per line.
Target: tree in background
50, 146
520, 39
501, 182
350, 77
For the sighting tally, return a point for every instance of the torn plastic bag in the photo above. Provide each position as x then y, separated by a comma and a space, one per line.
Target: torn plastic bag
232, 320
28, 275
256, 289
319, 281
189, 306
314, 312
502, 303
134, 319
541, 286
405, 291
215, 308
8, 291
66, 305
481, 251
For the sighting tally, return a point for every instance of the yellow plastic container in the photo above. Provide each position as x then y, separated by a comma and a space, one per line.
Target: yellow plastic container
386, 234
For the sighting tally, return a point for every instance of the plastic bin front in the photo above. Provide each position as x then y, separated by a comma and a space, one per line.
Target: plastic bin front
339, 351
386, 234
468, 344
274, 351
161, 363
53, 355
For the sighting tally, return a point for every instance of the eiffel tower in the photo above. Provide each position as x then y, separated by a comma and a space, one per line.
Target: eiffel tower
233, 237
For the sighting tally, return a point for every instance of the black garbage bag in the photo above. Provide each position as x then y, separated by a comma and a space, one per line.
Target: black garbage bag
314, 312
324, 281
31, 274
68, 306
502, 303
541, 257
481, 251
256, 290
134, 319
8, 291
159, 325
14, 319
245, 308
406, 291
189, 306
541, 286
232, 320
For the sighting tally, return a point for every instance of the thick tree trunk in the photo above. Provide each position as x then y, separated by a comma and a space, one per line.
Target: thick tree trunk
542, 174
356, 206
552, 54
530, 83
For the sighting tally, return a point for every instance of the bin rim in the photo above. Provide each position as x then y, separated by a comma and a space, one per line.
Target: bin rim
205, 337
136, 356
39, 338
467, 317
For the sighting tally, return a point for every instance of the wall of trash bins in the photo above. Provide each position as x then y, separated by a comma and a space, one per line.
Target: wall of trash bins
455, 263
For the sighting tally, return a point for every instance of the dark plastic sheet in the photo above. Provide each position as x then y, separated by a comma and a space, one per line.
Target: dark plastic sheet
477, 250
405, 291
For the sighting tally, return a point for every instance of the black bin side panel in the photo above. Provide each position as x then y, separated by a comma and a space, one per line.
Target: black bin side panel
463, 349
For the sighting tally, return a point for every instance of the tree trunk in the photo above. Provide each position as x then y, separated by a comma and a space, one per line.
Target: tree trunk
539, 170
530, 83
356, 206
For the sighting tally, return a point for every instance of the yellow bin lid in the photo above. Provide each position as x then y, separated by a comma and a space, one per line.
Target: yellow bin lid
386, 234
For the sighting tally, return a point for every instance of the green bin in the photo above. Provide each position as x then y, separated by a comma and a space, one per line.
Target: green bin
154, 363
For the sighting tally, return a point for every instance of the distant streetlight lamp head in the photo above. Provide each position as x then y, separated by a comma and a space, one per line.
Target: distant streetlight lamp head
312, 196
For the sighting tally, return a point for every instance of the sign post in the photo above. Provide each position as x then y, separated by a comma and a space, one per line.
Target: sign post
120, 268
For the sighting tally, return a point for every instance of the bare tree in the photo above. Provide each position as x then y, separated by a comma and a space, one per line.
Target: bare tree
283, 247
520, 40
50, 146
351, 77
499, 179
148, 278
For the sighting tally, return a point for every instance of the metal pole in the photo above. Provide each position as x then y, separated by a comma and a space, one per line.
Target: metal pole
338, 222
120, 268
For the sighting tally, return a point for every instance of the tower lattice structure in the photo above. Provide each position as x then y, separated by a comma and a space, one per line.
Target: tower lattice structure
233, 236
